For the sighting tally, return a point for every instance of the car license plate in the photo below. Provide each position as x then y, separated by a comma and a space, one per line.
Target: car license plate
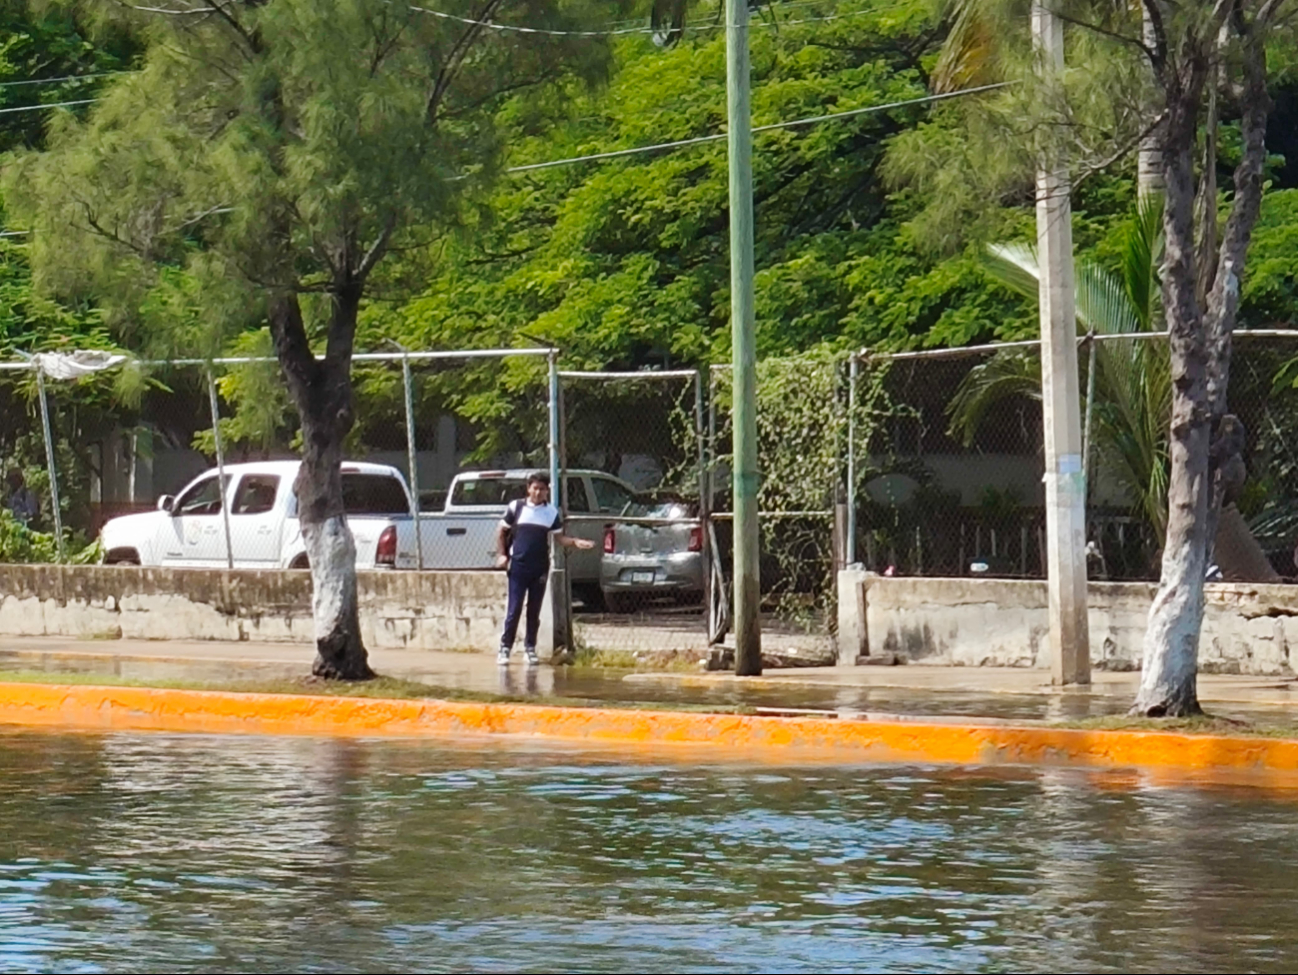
642, 577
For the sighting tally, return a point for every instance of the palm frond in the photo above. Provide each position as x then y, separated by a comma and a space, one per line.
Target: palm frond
1102, 302
1142, 247
1133, 379
1015, 266
968, 57
986, 384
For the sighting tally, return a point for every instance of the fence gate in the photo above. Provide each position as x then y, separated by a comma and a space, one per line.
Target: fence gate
633, 460
801, 430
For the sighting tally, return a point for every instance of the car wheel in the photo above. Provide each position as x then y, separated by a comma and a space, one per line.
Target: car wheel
301, 562
122, 558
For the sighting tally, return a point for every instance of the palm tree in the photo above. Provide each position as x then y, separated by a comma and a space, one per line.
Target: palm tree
1132, 379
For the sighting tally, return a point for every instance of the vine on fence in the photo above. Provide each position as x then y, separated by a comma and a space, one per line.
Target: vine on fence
804, 421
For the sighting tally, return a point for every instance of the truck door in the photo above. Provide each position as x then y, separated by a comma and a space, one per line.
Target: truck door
195, 534
583, 566
256, 523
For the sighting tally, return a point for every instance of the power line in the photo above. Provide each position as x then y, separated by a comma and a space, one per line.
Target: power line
700, 140
552, 32
810, 120
69, 77
41, 108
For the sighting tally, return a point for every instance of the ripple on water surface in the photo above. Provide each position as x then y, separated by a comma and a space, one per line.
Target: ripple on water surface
169, 852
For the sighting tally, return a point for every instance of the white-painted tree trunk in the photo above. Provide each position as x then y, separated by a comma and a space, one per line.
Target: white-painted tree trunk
332, 554
322, 393
1170, 655
1199, 337
1171, 649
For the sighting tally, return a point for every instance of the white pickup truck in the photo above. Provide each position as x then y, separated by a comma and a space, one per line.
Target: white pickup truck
189, 531
463, 534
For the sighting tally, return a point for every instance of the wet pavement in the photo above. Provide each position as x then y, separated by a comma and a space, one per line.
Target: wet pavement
987, 693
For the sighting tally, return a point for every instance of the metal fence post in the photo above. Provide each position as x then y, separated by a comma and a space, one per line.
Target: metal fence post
49, 457
220, 468
413, 461
1086, 426
705, 494
560, 593
853, 372
714, 590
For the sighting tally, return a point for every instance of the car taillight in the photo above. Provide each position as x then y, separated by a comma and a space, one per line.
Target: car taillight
610, 541
387, 553
696, 538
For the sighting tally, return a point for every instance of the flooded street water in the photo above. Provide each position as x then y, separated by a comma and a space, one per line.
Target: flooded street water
131, 852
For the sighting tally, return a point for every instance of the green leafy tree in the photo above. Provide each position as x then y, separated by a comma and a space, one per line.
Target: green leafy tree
47, 57
1145, 75
260, 167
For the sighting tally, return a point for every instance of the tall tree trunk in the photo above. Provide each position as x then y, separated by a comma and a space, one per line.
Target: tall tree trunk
322, 393
1168, 683
1200, 347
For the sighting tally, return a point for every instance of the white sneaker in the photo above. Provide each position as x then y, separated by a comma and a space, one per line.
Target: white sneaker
502, 656
532, 658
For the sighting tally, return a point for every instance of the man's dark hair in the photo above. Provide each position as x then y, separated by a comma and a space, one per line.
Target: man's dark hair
538, 478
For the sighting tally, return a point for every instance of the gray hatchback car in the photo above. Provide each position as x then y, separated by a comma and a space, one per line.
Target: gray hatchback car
660, 556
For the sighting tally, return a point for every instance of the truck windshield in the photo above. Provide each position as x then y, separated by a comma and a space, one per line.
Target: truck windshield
488, 491
374, 494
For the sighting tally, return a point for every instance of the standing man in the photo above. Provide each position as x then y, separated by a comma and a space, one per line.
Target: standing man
523, 549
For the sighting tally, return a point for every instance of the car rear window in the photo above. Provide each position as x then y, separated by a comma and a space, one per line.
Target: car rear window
658, 509
374, 494
494, 491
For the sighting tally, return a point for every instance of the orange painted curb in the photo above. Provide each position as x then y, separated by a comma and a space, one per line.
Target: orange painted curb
160, 709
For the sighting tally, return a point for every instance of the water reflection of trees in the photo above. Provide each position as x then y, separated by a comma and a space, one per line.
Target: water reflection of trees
302, 853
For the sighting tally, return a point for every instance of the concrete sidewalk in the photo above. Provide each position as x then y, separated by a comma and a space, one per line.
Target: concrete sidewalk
1007, 693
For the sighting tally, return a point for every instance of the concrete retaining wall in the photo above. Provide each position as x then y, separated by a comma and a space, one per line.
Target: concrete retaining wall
415, 610
1248, 628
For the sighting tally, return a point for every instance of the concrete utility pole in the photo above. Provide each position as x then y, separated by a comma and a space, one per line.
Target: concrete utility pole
748, 628
1070, 651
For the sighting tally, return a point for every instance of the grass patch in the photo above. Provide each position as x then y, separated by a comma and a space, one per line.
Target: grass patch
1202, 724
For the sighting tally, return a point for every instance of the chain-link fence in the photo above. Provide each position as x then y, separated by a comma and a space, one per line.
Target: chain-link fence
924, 463
947, 477
802, 431
210, 451
632, 453
948, 481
